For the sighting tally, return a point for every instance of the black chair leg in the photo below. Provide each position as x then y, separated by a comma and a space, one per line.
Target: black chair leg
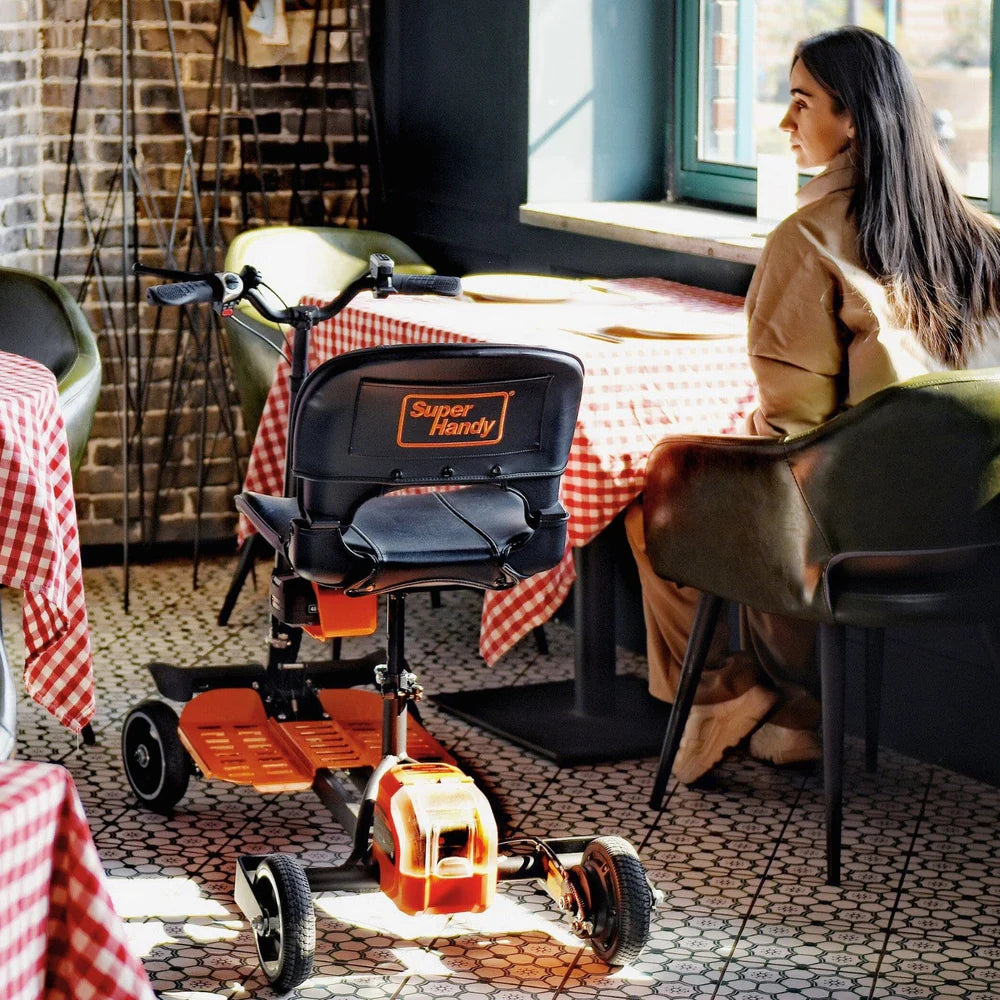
833, 671
702, 630
991, 640
252, 548
874, 658
541, 640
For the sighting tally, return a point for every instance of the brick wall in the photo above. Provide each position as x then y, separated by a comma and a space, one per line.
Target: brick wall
725, 56
20, 127
40, 48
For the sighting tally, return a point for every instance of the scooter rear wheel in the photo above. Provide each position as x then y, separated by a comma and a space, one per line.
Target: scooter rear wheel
156, 764
286, 941
619, 900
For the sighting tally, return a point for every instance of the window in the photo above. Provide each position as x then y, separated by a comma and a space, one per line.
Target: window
733, 60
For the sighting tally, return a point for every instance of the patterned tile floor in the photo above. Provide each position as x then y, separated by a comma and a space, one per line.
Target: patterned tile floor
739, 859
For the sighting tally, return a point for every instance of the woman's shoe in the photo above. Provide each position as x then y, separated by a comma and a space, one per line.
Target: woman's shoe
711, 729
782, 745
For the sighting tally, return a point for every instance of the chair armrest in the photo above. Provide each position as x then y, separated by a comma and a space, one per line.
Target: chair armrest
724, 514
271, 516
80, 388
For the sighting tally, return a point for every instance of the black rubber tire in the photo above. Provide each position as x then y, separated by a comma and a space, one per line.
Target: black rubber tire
286, 951
619, 900
156, 764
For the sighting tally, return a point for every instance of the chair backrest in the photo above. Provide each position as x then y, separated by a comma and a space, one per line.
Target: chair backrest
916, 466
295, 261
390, 418
486, 429
40, 320
913, 468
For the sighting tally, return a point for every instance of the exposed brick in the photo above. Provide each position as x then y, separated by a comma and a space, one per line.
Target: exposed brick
723, 114
724, 50
39, 59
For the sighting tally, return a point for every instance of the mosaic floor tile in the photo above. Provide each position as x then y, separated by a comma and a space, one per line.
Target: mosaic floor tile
739, 857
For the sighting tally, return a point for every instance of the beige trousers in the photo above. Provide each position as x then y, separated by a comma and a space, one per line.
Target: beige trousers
781, 650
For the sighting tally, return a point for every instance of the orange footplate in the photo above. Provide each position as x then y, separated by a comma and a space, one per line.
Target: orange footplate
230, 736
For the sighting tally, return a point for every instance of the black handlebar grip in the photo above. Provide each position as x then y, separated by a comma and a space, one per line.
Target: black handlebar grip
426, 284
181, 294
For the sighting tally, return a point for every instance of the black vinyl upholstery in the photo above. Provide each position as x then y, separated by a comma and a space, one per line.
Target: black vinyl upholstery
294, 261
426, 465
40, 320
888, 514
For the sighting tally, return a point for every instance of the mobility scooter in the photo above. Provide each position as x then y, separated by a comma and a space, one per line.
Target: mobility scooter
408, 467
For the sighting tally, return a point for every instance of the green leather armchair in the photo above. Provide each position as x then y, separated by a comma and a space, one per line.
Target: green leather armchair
41, 320
887, 514
293, 261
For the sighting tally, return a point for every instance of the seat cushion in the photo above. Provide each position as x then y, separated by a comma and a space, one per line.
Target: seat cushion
459, 537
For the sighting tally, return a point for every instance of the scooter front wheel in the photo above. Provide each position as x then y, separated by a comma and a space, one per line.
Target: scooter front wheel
618, 901
286, 934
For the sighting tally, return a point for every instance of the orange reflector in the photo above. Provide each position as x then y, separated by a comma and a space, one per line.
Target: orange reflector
340, 615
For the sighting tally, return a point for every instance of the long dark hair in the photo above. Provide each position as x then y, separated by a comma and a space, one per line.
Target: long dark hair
937, 255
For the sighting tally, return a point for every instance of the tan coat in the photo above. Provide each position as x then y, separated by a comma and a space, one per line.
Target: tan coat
821, 337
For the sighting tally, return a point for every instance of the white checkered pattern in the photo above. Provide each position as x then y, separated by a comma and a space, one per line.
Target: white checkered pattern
634, 393
39, 544
60, 937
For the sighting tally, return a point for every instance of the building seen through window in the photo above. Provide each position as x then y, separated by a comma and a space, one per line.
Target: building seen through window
745, 47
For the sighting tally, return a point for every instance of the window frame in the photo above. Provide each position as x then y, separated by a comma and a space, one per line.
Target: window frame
735, 186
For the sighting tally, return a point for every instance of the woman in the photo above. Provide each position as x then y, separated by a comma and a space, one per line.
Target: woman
884, 272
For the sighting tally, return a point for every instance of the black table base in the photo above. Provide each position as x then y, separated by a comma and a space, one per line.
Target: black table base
543, 718
597, 716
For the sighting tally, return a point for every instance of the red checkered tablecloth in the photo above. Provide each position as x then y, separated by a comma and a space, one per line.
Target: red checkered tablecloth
60, 937
39, 544
636, 390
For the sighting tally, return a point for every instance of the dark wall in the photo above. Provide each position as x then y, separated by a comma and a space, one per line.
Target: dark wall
452, 89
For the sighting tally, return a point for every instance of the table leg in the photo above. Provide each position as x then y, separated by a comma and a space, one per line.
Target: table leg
597, 716
8, 706
594, 650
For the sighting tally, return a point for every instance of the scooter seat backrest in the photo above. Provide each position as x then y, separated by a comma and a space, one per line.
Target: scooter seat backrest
496, 420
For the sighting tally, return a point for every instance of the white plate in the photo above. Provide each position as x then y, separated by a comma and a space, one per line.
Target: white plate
668, 334
520, 288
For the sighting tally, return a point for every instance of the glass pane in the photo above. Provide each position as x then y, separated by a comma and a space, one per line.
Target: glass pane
947, 44
745, 53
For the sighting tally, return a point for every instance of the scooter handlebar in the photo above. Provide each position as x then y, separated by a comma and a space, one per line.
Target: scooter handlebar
426, 284
224, 288
182, 293
220, 287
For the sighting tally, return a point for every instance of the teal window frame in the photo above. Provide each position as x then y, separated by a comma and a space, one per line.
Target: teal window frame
735, 186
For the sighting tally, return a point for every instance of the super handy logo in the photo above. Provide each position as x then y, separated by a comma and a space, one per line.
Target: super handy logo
428, 421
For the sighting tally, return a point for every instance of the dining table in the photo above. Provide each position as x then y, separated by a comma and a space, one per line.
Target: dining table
39, 542
60, 936
660, 357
